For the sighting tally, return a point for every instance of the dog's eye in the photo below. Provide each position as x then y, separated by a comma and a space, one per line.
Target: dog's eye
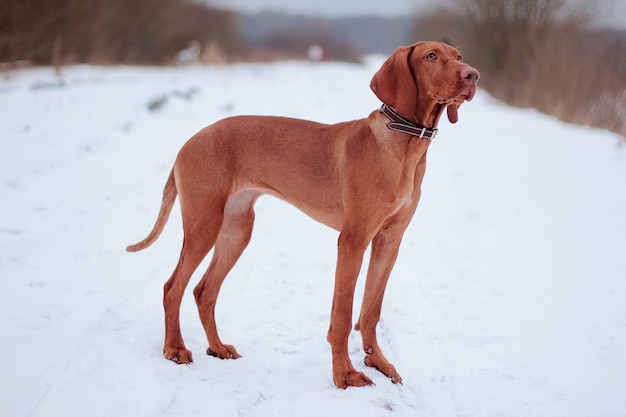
431, 56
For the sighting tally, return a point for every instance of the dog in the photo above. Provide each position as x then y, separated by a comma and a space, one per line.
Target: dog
361, 178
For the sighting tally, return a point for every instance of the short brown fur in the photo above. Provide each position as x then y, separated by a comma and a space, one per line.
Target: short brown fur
358, 177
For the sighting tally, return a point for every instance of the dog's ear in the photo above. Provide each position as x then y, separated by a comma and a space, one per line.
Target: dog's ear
394, 83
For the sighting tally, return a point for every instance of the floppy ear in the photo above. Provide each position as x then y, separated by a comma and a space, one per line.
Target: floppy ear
394, 84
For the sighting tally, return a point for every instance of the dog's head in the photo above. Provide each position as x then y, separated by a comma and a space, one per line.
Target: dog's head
425, 78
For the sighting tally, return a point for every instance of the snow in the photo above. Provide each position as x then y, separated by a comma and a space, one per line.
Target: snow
508, 298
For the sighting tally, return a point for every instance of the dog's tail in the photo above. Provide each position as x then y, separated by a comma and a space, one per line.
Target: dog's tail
169, 196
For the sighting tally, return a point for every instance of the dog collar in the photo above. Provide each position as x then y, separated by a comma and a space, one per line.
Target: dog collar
400, 124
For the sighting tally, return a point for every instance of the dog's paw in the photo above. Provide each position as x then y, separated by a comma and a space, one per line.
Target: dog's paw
353, 379
178, 355
379, 362
223, 352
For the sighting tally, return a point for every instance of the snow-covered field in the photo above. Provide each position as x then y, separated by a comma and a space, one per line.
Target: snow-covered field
508, 298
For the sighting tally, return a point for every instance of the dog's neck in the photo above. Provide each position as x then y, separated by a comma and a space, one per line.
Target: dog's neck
400, 124
428, 112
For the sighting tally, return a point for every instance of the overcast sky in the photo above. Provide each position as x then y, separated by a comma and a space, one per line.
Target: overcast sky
615, 10
329, 7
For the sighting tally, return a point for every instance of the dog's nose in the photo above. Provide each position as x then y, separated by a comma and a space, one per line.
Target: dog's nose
470, 75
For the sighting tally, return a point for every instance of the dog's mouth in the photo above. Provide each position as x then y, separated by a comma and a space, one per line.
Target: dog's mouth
466, 93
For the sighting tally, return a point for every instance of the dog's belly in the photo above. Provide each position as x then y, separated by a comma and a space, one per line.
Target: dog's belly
325, 211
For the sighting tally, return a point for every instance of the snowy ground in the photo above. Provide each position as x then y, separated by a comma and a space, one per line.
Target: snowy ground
508, 299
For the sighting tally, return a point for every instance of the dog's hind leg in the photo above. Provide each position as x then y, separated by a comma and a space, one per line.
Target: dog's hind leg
201, 228
233, 238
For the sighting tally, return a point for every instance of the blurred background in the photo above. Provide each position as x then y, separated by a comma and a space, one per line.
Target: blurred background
562, 57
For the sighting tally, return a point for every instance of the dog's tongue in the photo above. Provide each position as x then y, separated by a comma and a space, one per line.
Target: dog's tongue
453, 115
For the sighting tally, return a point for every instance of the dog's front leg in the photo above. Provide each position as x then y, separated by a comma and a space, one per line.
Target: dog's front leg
385, 246
349, 260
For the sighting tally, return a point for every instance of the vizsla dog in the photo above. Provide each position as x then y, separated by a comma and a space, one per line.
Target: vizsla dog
360, 177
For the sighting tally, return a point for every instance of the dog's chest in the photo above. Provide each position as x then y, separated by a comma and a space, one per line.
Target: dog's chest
410, 179
405, 196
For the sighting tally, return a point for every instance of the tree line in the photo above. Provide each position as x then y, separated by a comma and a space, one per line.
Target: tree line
57, 32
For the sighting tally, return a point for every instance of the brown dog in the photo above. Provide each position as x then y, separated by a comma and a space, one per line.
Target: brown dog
361, 178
